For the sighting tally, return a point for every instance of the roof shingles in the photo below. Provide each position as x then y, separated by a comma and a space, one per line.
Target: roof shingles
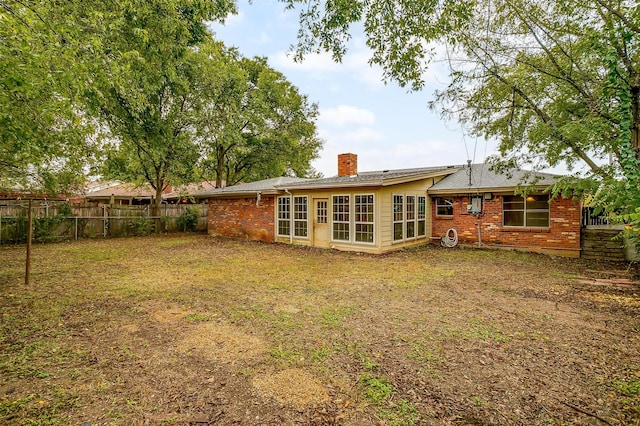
483, 178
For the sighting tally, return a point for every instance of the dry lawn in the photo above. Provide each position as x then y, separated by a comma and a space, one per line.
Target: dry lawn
194, 330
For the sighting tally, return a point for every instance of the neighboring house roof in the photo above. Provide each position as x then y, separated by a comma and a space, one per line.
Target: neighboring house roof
189, 190
265, 186
145, 191
483, 179
122, 190
374, 178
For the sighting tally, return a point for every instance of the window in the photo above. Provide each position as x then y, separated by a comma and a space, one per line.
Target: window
284, 216
422, 216
341, 219
531, 212
398, 217
321, 214
363, 220
300, 221
444, 206
411, 216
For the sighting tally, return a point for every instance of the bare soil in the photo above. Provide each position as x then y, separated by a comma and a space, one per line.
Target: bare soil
195, 330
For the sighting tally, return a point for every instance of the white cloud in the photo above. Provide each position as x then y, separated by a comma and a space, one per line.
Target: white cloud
357, 62
320, 65
344, 115
363, 134
315, 64
261, 39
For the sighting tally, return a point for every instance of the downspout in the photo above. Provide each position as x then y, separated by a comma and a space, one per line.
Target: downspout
290, 216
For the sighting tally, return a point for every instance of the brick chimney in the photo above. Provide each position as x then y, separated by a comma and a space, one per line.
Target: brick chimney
347, 164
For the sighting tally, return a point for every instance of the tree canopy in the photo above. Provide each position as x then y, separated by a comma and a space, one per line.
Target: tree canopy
253, 123
555, 82
143, 90
43, 135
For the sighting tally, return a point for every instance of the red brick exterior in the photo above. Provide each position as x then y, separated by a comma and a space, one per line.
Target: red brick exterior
240, 217
347, 164
563, 233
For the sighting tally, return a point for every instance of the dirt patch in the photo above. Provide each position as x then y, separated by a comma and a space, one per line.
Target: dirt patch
292, 387
287, 309
168, 315
220, 342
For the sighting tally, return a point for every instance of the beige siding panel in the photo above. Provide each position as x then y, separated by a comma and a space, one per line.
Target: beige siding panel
386, 195
383, 215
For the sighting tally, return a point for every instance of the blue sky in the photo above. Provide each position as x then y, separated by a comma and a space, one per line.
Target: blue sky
387, 127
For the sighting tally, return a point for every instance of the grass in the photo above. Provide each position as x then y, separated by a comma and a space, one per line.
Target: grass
376, 389
163, 330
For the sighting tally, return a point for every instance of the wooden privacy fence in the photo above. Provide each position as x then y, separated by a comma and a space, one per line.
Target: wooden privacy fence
59, 220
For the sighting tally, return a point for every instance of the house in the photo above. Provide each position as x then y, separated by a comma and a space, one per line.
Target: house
483, 208
379, 211
121, 193
371, 212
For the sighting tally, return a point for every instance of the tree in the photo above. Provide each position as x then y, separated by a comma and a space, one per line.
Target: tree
45, 138
143, 88
554, 81
253, 123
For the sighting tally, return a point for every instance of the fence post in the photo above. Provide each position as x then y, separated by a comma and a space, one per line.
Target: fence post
27, 272
104, 221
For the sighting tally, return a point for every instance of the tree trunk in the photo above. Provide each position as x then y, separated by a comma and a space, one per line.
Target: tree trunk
156, 208
219, 165
635, 120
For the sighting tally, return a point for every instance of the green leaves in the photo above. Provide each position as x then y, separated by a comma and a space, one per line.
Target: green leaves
252, 123
42, 133
69, 67
555, 82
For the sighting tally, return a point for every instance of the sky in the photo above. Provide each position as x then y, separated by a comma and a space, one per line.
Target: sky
385, 125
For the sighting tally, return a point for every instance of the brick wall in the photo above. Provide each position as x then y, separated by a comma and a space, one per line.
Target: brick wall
562, 235
347, 164
240, 217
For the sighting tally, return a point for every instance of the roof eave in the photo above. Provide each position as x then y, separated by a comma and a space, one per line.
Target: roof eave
472, 190
369, 183
413, 178
238, 194
332, 185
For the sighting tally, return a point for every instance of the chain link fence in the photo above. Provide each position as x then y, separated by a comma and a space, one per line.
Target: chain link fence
59, 220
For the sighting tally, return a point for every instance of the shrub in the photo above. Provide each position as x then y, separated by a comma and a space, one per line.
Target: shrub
141, 226
188, 220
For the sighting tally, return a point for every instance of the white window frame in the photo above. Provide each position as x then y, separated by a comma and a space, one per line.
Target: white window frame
352, 215
282, 216
371, 223
421, 216
336, 222
322, 213
295, 220
414, 217
410, 212
394, 220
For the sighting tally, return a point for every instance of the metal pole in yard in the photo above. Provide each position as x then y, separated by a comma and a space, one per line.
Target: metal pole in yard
76, 230
29, 235
0, 229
